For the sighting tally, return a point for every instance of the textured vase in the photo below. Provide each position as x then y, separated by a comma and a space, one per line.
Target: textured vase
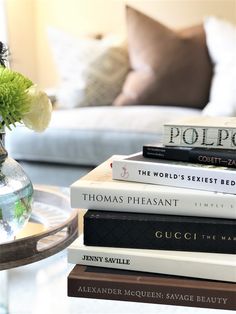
16, 194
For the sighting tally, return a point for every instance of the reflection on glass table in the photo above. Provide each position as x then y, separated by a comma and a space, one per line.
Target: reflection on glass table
52, 227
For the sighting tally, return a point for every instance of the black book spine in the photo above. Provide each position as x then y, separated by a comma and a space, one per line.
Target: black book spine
163, 232
216, 157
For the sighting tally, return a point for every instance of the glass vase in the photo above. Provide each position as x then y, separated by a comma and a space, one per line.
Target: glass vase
16, 193
16, 196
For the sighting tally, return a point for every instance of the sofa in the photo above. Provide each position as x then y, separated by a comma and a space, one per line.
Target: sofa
118, 102
81, 138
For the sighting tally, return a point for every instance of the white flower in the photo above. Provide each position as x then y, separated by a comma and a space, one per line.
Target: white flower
39, 115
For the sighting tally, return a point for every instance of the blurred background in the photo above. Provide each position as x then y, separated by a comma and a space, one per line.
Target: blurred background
24, 24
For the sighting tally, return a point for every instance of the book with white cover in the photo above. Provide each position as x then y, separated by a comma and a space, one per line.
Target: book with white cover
175, 173
210, 132
212, 266
97, 190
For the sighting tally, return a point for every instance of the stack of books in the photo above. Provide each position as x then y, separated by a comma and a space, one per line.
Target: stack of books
160, 224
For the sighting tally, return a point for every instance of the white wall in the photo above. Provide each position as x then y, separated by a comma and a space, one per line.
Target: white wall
29, 19
3, 22
22, 37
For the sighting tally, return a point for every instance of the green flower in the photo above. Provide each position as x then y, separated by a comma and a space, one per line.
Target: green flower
14, 101
19, 100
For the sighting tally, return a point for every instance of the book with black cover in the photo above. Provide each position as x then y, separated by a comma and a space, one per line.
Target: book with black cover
163, 232
123, 285
208, 156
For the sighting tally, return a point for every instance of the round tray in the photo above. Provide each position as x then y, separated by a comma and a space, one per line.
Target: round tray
52, 227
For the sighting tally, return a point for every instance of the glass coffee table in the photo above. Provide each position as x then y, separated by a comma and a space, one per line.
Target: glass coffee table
41, 286
52, 227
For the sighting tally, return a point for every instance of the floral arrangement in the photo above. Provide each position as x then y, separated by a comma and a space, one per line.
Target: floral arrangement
20, 102
20, 99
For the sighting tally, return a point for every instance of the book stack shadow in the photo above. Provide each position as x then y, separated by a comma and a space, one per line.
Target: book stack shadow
160, 225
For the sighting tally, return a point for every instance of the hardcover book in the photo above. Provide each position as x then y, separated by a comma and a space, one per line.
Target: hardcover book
165, 232
213, 266
211, 132
97, 190
208, 156
175, 173
123, 285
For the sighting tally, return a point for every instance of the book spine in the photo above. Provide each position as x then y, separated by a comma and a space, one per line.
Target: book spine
161, 232
191, 136
150, 293
199, 178
146, 261
200, 204
217, 157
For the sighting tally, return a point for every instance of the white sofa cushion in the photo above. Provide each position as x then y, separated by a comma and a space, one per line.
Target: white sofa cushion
221, 43
88, 136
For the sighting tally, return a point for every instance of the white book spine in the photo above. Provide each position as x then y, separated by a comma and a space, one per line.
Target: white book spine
199, 265
178, 175
196, 136
154, 200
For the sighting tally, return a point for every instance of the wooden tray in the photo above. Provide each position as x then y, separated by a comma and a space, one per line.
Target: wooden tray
52, 227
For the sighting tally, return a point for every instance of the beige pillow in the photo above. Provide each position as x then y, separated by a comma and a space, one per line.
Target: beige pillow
91, 71
168, 67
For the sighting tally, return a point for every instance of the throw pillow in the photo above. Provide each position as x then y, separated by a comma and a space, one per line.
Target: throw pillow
221, 42
168, 67
91, 71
